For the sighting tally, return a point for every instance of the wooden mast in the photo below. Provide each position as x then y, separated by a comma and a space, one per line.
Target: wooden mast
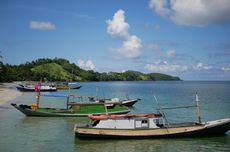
198, 108
37, 89
197, 105
106, 110
161, 111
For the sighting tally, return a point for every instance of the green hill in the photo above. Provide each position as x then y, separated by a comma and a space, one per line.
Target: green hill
62, 70
52, 71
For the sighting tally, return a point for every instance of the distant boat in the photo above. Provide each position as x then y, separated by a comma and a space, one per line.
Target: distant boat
43, 88
142, 126
73, 109
66, 85
124, 102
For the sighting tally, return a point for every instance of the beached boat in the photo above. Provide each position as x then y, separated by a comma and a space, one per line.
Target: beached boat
43, 88
125, 102
142, 126
73, 109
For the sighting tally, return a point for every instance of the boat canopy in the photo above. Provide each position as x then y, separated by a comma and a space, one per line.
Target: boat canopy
104, 117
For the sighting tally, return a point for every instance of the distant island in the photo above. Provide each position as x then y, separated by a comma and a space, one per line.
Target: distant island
59, 69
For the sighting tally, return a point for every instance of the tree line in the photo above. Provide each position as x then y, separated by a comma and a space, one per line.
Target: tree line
59, 69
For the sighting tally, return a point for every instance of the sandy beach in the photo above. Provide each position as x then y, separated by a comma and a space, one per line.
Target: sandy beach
7, 92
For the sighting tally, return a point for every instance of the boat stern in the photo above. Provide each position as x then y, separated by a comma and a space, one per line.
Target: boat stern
220, 126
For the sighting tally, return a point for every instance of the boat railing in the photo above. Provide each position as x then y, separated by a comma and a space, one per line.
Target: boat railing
196, 105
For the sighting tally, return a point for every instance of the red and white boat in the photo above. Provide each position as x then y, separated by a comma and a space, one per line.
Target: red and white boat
147, 126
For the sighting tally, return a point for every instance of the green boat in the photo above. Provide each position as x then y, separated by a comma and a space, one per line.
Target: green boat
73, 109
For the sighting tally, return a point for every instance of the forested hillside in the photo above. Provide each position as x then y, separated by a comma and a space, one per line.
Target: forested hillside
62, 70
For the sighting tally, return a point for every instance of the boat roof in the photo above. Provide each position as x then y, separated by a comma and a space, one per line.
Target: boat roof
104, 117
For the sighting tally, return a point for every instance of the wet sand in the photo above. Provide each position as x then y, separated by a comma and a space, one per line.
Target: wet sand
8, 92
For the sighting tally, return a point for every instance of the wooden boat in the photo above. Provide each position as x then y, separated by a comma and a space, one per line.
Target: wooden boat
73, 109
124, 102
147, 126
66, 85
43, 88
129, 102
63, 87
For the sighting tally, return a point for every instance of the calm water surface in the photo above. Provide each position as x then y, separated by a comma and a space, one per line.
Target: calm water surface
21, 133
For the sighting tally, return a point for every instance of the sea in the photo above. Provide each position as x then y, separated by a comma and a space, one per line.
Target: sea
19, 133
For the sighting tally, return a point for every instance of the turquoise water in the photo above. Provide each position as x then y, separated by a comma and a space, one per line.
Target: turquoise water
21, 133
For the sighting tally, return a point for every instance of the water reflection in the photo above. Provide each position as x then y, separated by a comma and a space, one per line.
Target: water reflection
184, 144
21, 133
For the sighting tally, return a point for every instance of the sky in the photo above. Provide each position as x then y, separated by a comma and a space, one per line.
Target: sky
185, 38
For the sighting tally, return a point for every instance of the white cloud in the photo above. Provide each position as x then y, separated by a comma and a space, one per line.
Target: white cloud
131, 46
40, 25
163, 66
81, 63
117, 26
193, 12
88, 65
171, 53
225, 69
159, 6
201, 66
166, 68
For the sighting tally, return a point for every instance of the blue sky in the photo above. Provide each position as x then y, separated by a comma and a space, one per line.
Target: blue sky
186, 38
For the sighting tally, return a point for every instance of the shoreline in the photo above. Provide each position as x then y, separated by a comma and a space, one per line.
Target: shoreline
7, 93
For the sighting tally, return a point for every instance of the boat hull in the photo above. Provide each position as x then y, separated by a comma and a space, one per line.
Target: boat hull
218, 127
129, 103
28, 89
25, 109
68, 87
126, 102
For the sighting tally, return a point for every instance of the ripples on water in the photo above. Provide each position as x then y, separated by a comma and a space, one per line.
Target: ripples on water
180, 145
20, 133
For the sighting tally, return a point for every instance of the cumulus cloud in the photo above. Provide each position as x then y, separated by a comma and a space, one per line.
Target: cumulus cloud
193, 12
88, 65
131, 46
118, 26
40, 25
160, 7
